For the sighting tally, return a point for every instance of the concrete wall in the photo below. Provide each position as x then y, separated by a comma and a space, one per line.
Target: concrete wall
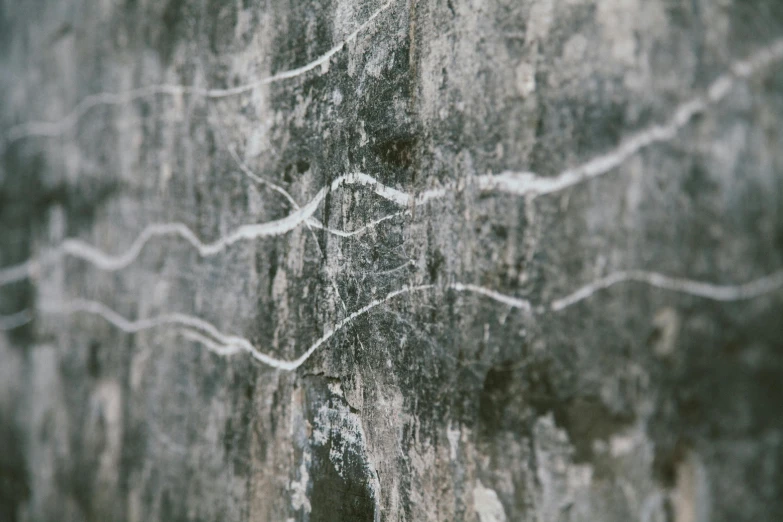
416, 260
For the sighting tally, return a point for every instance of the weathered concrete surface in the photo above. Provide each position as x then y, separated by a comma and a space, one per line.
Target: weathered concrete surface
442, 403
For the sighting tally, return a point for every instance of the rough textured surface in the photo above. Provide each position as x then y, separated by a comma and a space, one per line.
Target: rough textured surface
651, 399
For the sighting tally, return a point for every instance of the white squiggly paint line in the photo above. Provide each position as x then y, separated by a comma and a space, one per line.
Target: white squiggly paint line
103, 261
308, 222
18, 272
532, 184
715, 292
350, 233
240, 344
363, 179
516, 183
12, 321
108, 262
217, 342
27, 269
59, 127
277, 188
392, 194
407, 264
511, 301
292, 365
293, 73
211, 345
133, 326
258, 179
192, 324
529, 183
296, 363
50, 129
226, 345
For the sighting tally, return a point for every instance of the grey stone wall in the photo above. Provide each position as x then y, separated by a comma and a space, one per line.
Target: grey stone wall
415, 260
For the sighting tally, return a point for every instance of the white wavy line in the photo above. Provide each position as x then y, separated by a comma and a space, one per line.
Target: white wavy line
532, 184
529, 183
350, 233
394, 195
133, 326
226, 344
403, 266
358, 178
296, 363
56, 128
50, 129
285, 75
87, 252
27, 269
277, 188
216, 348
18, 272
258, 179
711, 291
241, 344
15, 320
176, 319
511, 301
516, 183
109, 262
207, 334
82, 250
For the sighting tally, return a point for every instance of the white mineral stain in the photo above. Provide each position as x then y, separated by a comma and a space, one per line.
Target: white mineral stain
106, 422
336, 388
349, 444
691, 496
525, 79
337, 97
453, 435
487, 504
667, 320
541, 17
619, 26
621, 445
298, 488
